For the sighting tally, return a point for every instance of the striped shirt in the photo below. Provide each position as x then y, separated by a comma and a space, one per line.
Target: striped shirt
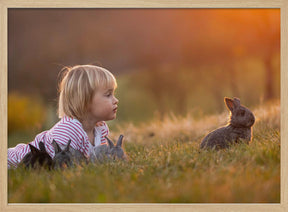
66, 129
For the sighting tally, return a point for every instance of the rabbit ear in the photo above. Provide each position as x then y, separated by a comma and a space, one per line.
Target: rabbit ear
236, 101
111, 144
232, 103
119, 142
229, 103
42, 146
33, 149
56, 147
68, 146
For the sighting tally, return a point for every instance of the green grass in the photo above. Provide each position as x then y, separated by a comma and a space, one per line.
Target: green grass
166, 166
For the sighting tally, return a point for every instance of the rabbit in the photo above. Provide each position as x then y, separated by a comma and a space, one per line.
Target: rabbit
116, 151
37, 158
110, 151
62, 157
101, 153
66, 157
238, 129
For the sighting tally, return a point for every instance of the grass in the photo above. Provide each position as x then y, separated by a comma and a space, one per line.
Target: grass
166, 166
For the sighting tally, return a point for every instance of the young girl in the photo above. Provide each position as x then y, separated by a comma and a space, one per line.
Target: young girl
86, 101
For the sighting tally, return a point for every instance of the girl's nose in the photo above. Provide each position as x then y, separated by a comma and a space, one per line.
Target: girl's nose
115, 100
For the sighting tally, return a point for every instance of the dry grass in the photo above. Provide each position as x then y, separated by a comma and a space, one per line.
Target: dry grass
192, 129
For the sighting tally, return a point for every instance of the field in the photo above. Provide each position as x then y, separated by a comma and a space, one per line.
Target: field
166, 166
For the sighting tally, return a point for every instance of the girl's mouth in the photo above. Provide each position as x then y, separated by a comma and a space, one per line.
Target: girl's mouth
115, 110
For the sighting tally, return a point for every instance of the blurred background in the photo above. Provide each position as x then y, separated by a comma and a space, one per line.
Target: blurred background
166, 61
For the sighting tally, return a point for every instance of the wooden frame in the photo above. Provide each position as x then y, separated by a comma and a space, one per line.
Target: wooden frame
5, 4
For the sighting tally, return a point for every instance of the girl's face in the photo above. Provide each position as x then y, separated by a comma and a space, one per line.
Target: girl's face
103, 106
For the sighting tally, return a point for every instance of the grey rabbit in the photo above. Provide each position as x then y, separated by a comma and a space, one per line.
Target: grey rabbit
37, 158
116, 151
110, 151
238, 129
66, 157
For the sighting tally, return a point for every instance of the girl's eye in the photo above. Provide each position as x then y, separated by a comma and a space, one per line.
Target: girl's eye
109, 93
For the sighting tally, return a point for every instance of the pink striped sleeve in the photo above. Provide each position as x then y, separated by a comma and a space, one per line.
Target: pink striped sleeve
104, 133
66, 129
12, 158
70, 129
15, 154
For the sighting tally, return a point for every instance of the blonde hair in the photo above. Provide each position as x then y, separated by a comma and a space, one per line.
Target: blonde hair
77, 87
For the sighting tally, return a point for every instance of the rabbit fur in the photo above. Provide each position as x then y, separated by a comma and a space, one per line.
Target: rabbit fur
37, 158
238, 129
110, 151
66, 157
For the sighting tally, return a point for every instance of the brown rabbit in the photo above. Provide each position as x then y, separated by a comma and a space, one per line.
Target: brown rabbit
238, 128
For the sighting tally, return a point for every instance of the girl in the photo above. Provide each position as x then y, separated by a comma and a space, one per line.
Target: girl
86, 101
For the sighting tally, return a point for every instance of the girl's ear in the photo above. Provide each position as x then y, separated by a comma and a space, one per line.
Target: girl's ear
33, 149
229, 103
111, 144
119, 142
